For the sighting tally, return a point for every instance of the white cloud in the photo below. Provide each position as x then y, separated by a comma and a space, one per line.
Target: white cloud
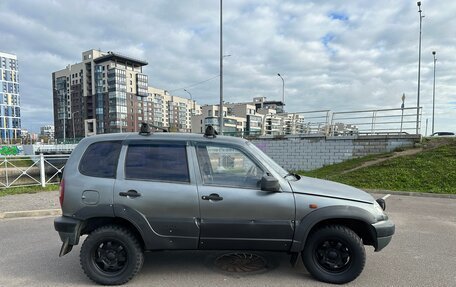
333, 55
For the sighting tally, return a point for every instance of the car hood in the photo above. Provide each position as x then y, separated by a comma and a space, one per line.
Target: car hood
320, 187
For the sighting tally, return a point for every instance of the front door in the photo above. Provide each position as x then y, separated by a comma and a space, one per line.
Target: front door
156, 190
235, 212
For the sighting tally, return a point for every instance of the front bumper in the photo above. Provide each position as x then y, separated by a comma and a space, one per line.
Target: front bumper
384, 231
69, 231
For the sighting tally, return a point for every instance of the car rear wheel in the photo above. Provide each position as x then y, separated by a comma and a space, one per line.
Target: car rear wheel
334, 254
111, 255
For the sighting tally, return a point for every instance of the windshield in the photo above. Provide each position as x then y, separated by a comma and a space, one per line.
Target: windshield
270, 162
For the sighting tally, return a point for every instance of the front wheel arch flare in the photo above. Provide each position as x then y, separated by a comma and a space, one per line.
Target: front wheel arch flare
358, 219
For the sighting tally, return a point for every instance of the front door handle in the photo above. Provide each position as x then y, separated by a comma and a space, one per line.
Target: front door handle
130, 193
213, 196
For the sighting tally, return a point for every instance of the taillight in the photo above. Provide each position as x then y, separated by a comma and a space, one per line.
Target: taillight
62, 192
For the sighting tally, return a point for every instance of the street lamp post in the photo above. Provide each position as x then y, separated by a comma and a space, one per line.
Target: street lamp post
402, 109
283, 89
419, 71
64, 119
193, 102
433, 94
221, 72
72, 119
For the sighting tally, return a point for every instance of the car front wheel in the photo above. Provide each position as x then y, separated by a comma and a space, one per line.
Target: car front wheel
334, 254
111, 255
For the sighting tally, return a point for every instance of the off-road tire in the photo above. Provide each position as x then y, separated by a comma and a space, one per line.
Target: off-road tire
334, 254
123, 244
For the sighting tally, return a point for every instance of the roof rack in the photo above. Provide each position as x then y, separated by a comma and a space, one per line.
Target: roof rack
145, 129
210, 132
159, 128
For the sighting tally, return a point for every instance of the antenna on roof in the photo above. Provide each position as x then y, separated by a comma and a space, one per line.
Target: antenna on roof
210, 132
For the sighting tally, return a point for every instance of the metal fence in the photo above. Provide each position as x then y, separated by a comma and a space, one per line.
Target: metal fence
376, 122
31, 170
325, 122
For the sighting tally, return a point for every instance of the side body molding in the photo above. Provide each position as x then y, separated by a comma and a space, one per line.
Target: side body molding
152, 239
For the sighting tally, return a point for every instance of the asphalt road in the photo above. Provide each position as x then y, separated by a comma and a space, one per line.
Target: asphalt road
422, 253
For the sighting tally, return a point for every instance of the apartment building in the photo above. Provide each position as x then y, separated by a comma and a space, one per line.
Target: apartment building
253, 121
10, 110
47, 132
104, 93
259, 117
108, 93
232, 125
263, 103
172, 112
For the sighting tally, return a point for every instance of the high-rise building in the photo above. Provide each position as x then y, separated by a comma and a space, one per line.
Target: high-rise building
109, 93
10, 110
105, 93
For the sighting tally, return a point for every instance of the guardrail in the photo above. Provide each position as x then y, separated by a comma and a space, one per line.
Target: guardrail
375, 122
325, 122
31, 170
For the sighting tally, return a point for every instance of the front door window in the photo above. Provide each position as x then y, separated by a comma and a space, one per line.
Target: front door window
227, 166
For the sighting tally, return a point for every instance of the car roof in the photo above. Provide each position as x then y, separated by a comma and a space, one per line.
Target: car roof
443, 134
164, 136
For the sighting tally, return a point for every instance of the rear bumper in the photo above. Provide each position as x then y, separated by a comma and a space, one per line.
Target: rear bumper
69, 231
384, 231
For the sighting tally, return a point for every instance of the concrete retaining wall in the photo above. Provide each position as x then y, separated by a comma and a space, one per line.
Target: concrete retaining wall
315, 151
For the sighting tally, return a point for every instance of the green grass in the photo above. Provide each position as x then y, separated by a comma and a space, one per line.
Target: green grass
17, 161
433, 170
27, 189
330, 170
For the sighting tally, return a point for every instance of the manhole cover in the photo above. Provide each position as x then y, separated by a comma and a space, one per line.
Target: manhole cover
241, 263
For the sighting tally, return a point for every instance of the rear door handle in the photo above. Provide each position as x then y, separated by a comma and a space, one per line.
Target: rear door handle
213, 196
130, 193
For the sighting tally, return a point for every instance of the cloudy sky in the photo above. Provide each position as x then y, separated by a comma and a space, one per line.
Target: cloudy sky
337, 55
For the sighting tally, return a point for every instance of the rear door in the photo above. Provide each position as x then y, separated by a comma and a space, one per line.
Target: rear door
156, 189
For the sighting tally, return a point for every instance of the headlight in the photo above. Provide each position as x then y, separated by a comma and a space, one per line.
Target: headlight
379, 211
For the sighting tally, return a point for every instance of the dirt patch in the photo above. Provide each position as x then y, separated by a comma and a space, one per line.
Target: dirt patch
379, 160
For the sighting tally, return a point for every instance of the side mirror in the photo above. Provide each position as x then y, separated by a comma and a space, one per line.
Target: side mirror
270, 183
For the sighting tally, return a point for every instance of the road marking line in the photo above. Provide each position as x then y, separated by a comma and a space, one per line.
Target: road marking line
386, 196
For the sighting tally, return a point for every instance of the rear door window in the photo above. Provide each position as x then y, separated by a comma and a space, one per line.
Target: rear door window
157, 162
100, 159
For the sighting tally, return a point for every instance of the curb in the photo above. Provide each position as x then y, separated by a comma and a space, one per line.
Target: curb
411, 193
30, 213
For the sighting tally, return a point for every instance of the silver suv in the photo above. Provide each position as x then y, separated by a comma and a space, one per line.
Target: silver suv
132, 193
